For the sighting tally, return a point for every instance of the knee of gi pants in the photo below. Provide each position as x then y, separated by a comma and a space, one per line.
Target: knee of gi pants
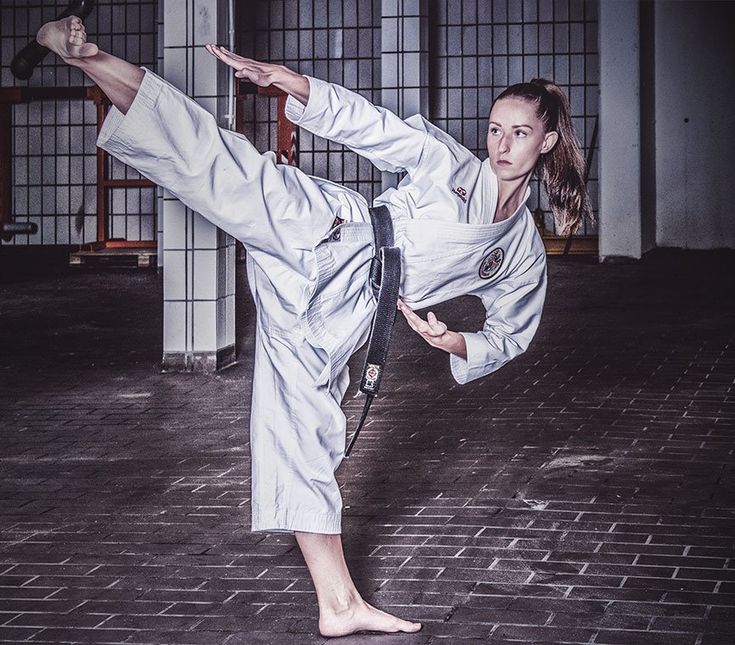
169, 138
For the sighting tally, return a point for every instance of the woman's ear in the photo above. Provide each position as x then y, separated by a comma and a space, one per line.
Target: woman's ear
550, 139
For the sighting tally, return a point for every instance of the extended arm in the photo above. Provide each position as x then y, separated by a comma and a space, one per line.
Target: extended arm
338, 114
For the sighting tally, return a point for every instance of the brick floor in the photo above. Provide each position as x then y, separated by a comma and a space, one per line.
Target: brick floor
582, 494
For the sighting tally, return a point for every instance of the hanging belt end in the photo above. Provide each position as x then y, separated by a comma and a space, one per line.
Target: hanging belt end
365, 410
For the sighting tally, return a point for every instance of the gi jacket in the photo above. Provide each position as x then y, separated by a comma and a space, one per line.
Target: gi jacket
442, 212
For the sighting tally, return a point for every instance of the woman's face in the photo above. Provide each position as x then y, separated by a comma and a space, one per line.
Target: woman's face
516, 138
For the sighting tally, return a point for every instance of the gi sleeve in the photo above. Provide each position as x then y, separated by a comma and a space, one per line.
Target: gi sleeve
513, 313
341, 115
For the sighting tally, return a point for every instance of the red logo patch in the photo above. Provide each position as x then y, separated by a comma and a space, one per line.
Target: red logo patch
461, 192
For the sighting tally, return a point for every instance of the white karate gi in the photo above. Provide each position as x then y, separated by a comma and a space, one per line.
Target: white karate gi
310, 281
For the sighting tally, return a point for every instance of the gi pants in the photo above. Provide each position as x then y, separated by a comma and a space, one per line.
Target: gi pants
297, 428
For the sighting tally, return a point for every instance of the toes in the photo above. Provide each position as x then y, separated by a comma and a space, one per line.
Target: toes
406, 626
394, 623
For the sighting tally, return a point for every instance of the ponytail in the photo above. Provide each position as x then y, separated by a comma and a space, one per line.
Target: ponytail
562, 169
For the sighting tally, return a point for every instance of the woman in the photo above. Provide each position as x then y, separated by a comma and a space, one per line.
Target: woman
461, 224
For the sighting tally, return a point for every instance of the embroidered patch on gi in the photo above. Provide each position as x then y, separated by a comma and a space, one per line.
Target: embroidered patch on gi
491, 263
461, 192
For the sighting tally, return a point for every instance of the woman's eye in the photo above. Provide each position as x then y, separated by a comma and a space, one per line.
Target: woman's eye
494, 130
521, 133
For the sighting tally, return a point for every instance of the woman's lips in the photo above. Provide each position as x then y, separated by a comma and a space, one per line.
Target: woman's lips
503, 162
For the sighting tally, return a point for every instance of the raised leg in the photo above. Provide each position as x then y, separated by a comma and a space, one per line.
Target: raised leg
117, 78
342, 610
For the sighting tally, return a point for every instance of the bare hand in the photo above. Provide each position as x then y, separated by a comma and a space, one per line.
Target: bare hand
254, 71
264, 74
433, 331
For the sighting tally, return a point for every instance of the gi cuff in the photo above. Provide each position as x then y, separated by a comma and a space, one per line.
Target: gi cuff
297, 112
475, 365
119, 127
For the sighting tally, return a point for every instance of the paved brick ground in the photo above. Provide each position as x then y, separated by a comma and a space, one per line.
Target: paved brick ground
583, 494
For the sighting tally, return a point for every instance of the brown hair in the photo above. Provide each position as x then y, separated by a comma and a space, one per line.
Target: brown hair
562, 169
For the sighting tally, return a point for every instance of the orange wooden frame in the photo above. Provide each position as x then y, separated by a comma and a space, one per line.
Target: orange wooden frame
287, 133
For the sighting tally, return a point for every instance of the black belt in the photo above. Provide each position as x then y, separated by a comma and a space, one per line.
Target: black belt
385, 279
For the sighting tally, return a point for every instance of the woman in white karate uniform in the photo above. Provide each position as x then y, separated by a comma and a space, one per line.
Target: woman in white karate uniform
461, 224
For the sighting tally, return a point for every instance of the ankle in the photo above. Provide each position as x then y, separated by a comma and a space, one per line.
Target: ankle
74, 62
340, 602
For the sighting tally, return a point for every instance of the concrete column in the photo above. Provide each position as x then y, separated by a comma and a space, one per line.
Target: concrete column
620, 130
198, 258
159, 190
404, 60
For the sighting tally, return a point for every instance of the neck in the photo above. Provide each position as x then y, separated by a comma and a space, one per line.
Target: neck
510, 196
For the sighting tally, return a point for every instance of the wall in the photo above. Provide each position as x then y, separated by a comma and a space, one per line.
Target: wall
476, 48
333, 40
479, 51
695, 121
54, 158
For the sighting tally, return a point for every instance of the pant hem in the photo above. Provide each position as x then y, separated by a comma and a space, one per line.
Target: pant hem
302, 520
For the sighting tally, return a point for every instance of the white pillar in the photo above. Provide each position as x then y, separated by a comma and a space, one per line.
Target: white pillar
159, 190
404, 60
620, 130
198, 258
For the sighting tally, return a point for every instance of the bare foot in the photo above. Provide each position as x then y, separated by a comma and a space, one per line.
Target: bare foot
67, 38
360, 616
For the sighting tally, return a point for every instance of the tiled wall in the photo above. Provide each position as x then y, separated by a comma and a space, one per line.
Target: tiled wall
337, 41
406, 51
481, 47
54, 161
476, 48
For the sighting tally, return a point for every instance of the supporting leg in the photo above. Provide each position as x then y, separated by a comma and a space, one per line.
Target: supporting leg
117, 78
342, 610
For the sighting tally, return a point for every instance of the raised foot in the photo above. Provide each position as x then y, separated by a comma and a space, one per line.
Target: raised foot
363, 617
67, 38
